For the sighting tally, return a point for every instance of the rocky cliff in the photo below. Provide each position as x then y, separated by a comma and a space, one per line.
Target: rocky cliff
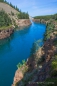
6, 33
39, 21
23, 22
41, 65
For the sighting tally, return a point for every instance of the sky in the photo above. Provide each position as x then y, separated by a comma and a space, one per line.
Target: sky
36, 7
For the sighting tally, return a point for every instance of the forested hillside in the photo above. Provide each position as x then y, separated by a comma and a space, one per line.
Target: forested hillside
14, 10
10, 14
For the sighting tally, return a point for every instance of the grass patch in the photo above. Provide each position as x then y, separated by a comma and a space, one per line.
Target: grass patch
55, 42
51, 82
22, 66
5, 27
41, 60
54, 66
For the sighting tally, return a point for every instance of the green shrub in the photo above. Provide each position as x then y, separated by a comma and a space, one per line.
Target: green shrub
49, 30
21, 64
54, 64
40, 60
54, 73
51, 82
55, 42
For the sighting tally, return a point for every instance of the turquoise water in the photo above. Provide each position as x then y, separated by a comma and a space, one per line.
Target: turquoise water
16, 48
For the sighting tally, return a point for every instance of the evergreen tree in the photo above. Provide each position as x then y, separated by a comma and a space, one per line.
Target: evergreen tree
1, 0
4, 19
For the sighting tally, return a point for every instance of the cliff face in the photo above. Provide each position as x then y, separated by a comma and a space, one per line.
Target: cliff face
6, 33
41, 64
23, 22
36, 20
39, 21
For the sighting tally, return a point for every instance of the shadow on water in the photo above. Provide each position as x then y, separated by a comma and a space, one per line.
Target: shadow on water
23, 30
18, 32
5, 43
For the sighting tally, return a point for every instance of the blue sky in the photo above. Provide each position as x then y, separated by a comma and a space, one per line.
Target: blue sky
36, 7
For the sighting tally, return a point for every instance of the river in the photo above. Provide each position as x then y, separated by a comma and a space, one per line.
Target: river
16, 48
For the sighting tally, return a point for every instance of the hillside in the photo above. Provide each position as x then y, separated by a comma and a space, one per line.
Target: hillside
8, 9
13, 12
11, 17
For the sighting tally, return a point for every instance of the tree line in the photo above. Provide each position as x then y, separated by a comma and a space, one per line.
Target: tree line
47, 17
23, 15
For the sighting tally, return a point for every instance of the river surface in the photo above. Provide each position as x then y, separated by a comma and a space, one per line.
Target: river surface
16, 48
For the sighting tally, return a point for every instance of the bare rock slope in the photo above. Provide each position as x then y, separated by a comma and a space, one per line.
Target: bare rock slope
7, 8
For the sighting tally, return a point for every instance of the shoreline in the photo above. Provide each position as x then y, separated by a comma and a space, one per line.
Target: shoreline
32, 65
7, 31
4, 33
18, 74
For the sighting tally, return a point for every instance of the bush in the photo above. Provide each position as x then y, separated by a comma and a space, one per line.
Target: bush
54, 73
40, 60
54, 66
12, 13
49, 30
55, 42
52, 81
21, 64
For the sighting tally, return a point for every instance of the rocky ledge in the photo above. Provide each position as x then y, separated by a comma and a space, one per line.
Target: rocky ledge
39, 21
6, 33
23, 22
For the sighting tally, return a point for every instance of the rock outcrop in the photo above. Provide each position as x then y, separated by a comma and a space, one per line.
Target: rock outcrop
18, 77
23, 22
6, 33
39, 21
36, 20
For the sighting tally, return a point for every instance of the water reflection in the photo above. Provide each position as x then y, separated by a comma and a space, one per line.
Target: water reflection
5, 43
21, 31
24, 31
